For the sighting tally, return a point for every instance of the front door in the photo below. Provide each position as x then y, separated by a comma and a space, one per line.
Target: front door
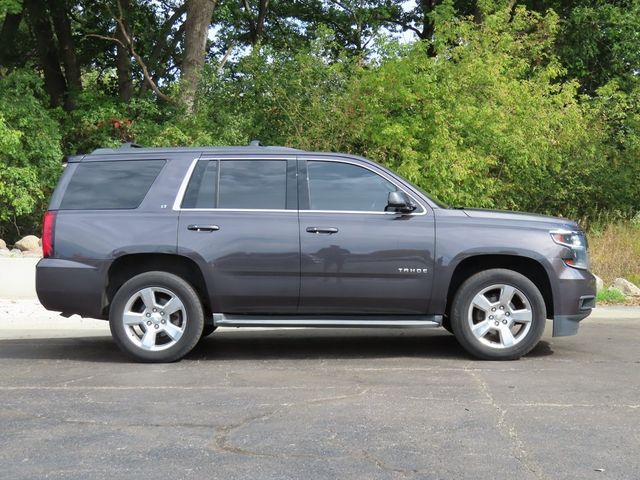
356, 257
239, 219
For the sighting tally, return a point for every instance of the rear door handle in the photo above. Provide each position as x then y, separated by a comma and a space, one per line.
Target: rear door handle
325, 230
203, 228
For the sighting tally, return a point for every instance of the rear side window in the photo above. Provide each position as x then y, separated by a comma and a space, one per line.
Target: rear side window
110, 185
203, 186
238, 184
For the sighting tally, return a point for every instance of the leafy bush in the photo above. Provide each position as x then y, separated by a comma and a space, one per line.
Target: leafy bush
30, 153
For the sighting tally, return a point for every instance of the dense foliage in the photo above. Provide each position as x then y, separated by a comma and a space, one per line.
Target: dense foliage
519, 105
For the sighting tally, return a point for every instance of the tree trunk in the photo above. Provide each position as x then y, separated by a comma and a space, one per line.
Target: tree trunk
262, 17
7, 36
428, 28
123, 58
54, 81
66, 46
256, 26
165, 46
199, 13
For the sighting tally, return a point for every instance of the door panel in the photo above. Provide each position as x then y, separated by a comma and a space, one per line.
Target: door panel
367, 261
361, 268
253, 259
239, 219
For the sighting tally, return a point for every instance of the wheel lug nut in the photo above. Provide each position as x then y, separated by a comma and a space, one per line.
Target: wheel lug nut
148, 314
161, 313
493, 309
148, 323
497, 323
501, 307
157, 326
163, 322
155, 309
504, 321
490, 317
507, 314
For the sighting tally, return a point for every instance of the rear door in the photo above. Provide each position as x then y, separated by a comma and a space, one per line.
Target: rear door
238, 217
356, 257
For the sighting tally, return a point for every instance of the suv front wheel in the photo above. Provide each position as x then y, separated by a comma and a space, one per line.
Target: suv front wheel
498, 314
156, 317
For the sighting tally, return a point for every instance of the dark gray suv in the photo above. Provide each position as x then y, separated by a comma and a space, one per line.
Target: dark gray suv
170, 243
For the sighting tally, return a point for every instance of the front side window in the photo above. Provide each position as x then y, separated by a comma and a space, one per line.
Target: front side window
238, 184
345, 187
109, 185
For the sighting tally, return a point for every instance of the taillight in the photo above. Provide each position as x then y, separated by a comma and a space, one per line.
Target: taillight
48, 224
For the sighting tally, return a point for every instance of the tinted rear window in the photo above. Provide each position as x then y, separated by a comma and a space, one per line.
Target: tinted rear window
201, 192
238, 184
250, 184
110, 185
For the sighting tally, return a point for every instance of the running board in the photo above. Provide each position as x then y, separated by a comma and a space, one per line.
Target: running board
346, 321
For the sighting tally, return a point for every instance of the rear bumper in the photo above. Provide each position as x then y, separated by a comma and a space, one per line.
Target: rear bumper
70, 287
574, 299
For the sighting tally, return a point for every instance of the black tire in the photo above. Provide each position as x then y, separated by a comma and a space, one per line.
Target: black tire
191, 313
492, 346
207, 330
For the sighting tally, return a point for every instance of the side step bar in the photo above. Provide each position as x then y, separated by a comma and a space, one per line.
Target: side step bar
348, 321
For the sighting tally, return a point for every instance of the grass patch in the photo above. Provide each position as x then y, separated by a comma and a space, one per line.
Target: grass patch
615, 251
610, 295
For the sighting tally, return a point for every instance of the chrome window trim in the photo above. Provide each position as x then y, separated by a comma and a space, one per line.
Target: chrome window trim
268, 210
367, 167
185, 182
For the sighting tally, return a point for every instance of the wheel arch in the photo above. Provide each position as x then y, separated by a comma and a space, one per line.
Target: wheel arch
527, 266
128, 266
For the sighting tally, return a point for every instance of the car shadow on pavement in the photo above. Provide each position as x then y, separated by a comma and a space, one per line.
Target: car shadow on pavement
262, 345
331, 344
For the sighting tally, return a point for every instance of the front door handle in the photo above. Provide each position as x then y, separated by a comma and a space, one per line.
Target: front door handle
203, 228
325, 230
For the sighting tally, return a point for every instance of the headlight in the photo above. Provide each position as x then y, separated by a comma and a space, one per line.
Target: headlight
576, 242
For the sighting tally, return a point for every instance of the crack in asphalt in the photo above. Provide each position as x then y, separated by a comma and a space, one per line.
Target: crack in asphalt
507, 430
221, 441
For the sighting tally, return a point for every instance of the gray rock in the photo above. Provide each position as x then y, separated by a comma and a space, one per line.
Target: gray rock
599, 283
15, 252
28, 243
626, 287
3, 244
4, 252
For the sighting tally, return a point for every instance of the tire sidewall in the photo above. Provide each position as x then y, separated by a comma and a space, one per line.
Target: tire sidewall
186, 294
477, 283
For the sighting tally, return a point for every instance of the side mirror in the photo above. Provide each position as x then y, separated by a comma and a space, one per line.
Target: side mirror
400, 202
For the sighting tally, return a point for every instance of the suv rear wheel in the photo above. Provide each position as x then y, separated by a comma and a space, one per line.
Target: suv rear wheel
156, 317
498, 314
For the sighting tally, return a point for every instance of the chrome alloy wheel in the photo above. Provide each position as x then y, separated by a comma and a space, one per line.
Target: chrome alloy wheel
154, 319
500, 316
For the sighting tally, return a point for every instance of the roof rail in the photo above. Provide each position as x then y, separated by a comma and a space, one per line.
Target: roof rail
256, 143
131, 145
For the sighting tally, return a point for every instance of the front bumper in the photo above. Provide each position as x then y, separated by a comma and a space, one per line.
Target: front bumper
70, 287
574, 295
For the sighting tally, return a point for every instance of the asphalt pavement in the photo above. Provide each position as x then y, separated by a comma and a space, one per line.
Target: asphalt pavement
317, 404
